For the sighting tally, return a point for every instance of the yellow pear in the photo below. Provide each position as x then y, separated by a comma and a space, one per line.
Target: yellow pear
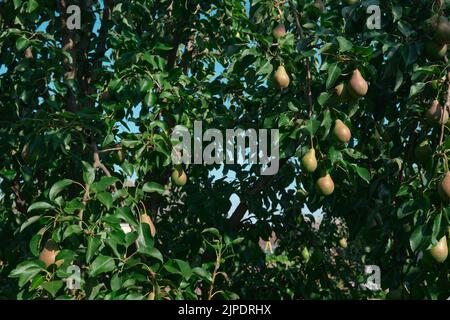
279, 31
179, 177
145, 218
434, 115
342, 132
442, 34
305, 254
358, 86
309, 161
325, 185
440, 251
444, 187
49, 253
281, 77
343, 243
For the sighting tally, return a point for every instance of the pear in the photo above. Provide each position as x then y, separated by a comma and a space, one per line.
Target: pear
49, 253
305, 254
279, 31
357, 87
179, 177
351, 2
29, 53
309, 161
325, 185
145, 218
434, 114
281, 77
444, 187
341, 92
343, 243
319, 5
423, 151
442, 33
440, 251
435, 51
342, 132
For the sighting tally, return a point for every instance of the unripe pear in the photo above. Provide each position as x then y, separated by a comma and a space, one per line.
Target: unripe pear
49, 253
309, 161
343, 243
179, 177
357, 86
342, 132
325, 185
281, 77
435, 50
279, 31
305, 254
423, 151
341, 92
440, 251
145, 218
444, 187
442, 33
434, 114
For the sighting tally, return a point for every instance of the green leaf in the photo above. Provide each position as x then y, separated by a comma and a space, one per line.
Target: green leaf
416, 238
152, 252
35, 242
416, 89
362, 172
52, 287
40, 205
73, 205
125, 214
25, 271
93, 244
344, 44
116, 282
88, 173
334, 72
213, 231
102, 264
70, 230
105, 198
22, 43
32, 5
153, 187
58, 187
30, 221
104, 183
436, 227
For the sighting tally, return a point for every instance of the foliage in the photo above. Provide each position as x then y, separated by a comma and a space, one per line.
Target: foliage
138, 68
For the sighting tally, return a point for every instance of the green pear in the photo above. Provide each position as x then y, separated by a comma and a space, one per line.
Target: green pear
444, 187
